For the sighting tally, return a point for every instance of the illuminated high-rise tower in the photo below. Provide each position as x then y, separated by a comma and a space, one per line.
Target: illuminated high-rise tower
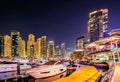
50, 49
63, 50
80, 49
57, 50
7, 46
30, 45
80, 43
1, 46
23, 53
37, 48
22, 48
97, 24
44, 46
15, 43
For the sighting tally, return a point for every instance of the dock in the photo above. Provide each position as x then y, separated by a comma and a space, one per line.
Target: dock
83, 74
117, 73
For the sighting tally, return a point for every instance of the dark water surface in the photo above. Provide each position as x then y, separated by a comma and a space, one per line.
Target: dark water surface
22, 77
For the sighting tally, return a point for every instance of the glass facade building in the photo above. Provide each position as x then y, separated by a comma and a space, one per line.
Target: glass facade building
97, 24
30, 45
44, 46
15, 43
7, 46
50, 49
63, 50
37, 48
80, 43
1, 46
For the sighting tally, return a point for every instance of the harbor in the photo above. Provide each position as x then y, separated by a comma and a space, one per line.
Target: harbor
22, 76
60, 71
59, 41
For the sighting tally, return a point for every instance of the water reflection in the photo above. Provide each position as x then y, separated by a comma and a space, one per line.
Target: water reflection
22, 77
13, 74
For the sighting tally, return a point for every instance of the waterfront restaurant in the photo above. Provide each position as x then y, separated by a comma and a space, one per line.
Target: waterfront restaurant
106, 48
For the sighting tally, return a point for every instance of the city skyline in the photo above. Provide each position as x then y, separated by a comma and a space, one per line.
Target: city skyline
53, 40
61, 21
15, 46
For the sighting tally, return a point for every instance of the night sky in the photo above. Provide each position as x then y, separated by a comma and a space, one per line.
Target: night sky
59, 20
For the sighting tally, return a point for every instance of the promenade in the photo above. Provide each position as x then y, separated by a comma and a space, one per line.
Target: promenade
117, 73
84, 74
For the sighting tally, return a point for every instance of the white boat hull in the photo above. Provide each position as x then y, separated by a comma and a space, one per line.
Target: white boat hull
50, 79
47, 72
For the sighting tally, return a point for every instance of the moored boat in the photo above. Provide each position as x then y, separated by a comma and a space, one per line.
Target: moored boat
12, 67
49, 69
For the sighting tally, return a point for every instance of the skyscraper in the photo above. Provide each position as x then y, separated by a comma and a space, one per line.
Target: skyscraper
22, 48
30, 45
51, 49
15, 43
44, 46
23, 53
57, 50
37, 48
97, 24
63, 50
7, 46
1, 46
80, 43
80, 46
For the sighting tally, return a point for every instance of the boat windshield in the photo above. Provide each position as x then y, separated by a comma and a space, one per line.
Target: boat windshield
50, 63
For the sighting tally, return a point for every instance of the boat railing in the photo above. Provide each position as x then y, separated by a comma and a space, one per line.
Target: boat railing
44, 70
6, 65
58, 62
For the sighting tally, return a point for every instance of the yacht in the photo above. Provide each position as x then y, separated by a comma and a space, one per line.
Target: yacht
12, 67
14, 59
7, 64
49, 69
20, 60
41, 62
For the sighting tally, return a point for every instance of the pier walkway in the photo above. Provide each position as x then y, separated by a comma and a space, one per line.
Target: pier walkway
117, 73
84, 74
